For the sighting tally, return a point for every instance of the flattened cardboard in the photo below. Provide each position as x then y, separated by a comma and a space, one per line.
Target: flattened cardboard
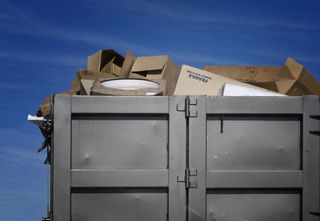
157, 68
149, 63
98, 61
127, 65
194, 81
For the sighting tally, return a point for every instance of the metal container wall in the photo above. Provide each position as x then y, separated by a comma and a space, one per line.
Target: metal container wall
186, 158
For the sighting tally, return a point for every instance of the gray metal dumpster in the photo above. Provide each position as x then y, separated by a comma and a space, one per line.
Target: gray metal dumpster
185, 158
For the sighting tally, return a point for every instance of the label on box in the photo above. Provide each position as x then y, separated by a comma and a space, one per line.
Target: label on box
198, 77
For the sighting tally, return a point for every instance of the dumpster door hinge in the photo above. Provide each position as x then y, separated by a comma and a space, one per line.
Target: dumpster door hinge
189, 107
189, 178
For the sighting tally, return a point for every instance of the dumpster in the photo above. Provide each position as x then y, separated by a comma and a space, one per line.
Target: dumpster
181, 158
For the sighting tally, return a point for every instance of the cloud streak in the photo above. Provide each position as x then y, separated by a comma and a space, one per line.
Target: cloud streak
44, 58
193, 14
186, 14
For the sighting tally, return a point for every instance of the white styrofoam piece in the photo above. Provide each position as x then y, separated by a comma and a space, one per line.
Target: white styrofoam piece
39, 121
237, 90
130, 84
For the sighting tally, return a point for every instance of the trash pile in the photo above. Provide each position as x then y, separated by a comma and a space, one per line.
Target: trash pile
109, 73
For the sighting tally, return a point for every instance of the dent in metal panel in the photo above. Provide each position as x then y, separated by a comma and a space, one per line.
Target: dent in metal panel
119, 142
258, 142
242, 206
117, 206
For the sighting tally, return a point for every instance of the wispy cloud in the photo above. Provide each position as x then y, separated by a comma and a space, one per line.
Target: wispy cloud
100, 40
201, 59
18, 147
19, 153
282, 55
44, 58
187, 14
53, 31
16, 86
195, 14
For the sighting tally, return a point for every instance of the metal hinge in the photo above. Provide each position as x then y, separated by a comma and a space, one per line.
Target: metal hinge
189, 107
189, 178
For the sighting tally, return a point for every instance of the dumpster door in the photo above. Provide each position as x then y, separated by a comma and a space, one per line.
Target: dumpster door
119, 158
253, 158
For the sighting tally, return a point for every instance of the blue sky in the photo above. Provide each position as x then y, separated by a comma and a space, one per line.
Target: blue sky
43, 43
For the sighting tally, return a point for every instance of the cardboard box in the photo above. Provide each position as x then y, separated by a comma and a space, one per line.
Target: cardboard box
260, 76
84, 74
290, 79
194, 81
111, 68
303, 83
157, 68
108, 61
248, 73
